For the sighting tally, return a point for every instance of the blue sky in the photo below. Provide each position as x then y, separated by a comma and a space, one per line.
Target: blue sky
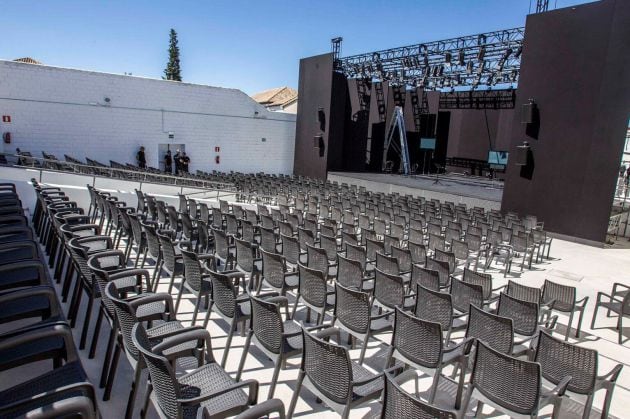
250, 45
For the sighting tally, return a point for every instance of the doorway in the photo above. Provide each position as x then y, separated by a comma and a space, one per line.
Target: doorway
163, 148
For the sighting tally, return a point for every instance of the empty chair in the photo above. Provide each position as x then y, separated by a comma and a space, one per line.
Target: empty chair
328, 372
443, 269
315, 293
277, 339
172, 260
418, 253
485, 281
389, 292
350, 274
195, 280
275, 275
563, 298
317, 258
618, 302
353, 314
525, 317
523, 292
437, 307
495, 377
464, 295
419, 343
397, 403
559, 359
203, 388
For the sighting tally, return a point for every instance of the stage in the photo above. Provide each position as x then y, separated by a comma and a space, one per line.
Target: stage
472, 191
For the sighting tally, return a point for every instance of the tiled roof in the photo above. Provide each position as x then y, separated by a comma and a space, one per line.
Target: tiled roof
274, 97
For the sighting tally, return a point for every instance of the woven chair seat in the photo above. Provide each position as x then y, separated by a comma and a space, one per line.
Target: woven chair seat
68, 374
294, 342
360, 373
207, 379
613, 306
292, 281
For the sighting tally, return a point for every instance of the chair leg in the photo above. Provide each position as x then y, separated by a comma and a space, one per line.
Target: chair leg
363, 348
588, 406
86, 321
241, 364
620, 327
97, 330
197, 304
112, 373
566, 335
228, 343
170, 286
296, 394
208, 313
147, 398
594, 316
579, 325
134, 390
75, 303
111, 342
274, 379
297, 299
179, 298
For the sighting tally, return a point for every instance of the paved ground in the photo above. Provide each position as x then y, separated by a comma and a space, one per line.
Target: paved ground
590, 269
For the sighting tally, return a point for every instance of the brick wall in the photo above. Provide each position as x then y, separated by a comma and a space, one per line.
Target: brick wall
64, 111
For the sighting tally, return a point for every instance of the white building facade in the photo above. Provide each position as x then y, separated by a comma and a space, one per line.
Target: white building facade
108, 117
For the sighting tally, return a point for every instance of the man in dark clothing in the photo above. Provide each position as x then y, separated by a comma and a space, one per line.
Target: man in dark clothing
142, 160
185, 162
177, 158
168, 162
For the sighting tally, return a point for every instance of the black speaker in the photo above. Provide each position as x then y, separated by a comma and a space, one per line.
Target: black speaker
527, 112
321, 118
522, 153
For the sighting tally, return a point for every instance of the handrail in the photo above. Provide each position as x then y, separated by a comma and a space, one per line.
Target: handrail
110, 172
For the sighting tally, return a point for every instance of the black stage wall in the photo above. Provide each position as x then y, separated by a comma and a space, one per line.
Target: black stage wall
468, 132
576, 67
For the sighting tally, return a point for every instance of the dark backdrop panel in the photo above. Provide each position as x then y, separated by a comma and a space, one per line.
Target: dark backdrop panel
468, 132
576, 67
338, 117
315, 90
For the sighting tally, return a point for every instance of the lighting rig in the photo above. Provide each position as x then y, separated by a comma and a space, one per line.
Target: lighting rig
463, 63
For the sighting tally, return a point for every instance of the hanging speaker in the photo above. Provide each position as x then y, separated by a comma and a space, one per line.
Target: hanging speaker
522, 152
527, 112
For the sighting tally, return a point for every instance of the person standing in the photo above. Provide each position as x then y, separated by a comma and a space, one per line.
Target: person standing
168, 162
141, 158
185, 162
177, 157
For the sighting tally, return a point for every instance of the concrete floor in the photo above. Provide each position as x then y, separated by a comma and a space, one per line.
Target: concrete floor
590, 269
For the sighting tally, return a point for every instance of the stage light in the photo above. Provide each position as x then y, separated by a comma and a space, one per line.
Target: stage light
376, 56
519, 51
462, 57
426, 60
447, 58
416, 61
441, 71
469, 67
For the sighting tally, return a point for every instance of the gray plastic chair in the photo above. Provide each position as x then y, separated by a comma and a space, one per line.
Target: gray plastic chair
618, 303
563, 298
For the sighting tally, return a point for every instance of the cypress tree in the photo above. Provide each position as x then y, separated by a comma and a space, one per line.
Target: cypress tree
172, 71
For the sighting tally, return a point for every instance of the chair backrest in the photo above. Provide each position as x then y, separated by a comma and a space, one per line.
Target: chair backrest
357, 253
389, 290
267, 239
312, 286
349, 273
329, 244
464, 294
192, 269
460, 249
558, 359
372, 247
165, 384
290, 249
523, 292
404, 258
479, 278
495, 331
418, 340
126, 316
305, 238
418, 252
434, 306
203, 239
563, 296
221, 244
448, 257
266, 322
352, 309
397, 403
168, 251
328, 366
244, 255
427, 278
387, 264
224, 293
317, 258
442, 268
273, 269
524, 314
496, 375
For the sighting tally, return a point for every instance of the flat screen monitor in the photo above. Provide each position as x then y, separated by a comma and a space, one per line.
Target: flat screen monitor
497, 157
427, 143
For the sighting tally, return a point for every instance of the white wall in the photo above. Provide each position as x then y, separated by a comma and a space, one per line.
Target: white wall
63, 111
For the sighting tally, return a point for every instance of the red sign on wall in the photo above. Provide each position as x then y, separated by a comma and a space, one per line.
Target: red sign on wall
217, 149
6, 118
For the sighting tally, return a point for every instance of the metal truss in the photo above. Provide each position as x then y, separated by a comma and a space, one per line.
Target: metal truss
492, 58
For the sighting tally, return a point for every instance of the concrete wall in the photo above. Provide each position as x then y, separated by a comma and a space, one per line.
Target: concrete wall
64, 111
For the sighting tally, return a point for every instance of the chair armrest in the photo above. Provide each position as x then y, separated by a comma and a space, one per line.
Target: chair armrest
465, 346
368, 380
619, 285
251, 384
560, 388
582, 302
41, 290
138, 273
325, 330
144, 299
501, 288
201, 335
263, 409
612, 375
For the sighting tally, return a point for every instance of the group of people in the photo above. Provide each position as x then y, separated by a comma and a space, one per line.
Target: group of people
181, 160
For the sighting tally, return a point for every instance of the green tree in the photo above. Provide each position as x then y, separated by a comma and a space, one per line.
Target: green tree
173, 71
